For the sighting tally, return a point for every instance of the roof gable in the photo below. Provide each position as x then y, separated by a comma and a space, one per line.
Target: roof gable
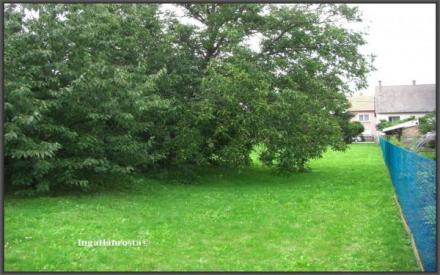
361, 103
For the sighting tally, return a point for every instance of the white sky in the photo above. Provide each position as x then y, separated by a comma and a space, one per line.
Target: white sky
402, 36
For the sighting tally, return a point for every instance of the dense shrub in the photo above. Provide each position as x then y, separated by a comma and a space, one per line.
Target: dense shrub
354, 129
94, 90
350, 129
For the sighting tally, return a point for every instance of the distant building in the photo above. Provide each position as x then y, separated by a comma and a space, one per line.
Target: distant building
403, 101
362, 107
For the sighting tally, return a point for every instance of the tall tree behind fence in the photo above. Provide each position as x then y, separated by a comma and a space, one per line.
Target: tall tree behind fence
414, 180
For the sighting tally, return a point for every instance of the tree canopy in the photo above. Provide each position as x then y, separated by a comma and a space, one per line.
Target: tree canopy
102, 89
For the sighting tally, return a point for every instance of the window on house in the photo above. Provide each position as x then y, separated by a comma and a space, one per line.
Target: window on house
364, 117
393, 118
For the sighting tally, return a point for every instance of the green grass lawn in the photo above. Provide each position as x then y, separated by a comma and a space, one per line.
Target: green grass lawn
340, 216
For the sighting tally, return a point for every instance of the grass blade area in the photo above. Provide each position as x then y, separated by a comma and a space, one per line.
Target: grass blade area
340, 216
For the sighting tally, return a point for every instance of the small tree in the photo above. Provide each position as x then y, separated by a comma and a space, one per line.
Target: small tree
354, 129
350, 129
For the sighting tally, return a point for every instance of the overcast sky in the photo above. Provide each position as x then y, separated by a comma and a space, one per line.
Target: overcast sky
402, 36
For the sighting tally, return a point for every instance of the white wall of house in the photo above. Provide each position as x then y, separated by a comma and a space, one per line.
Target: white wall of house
401, 116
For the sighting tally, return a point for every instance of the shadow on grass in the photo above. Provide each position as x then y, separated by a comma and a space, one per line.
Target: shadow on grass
193, 176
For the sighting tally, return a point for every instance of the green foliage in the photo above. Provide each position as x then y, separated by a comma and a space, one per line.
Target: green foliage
429, 154
76, 106
394, 140
383, 124
108, 89
354, 129
350, 129
427, 123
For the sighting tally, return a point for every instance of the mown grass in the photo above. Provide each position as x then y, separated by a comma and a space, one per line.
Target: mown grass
340, 216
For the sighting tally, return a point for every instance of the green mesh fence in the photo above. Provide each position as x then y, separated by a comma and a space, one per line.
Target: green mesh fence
414, 180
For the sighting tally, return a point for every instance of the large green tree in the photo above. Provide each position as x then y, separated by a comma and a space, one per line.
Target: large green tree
80, 93
290, 96
94, 90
